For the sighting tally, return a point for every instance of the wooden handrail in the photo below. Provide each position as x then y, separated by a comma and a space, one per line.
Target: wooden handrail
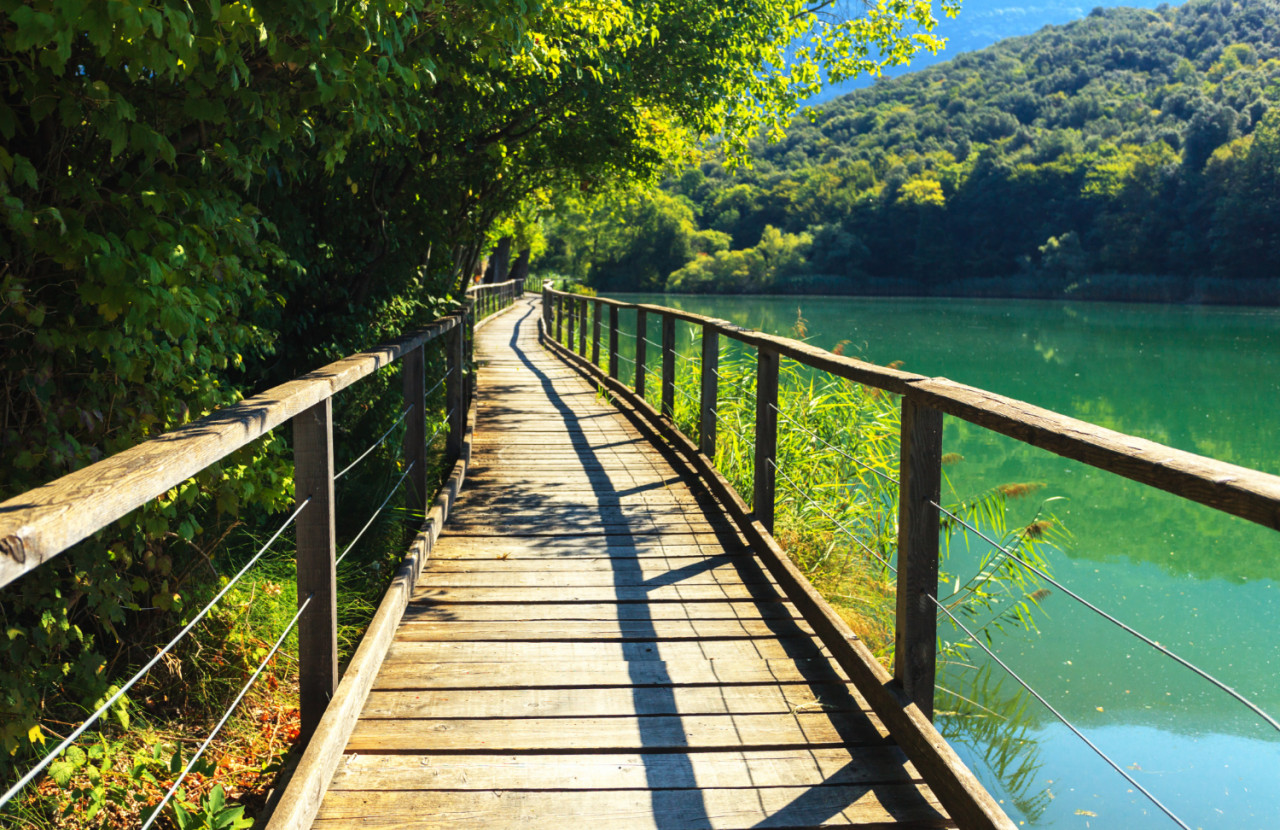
905, 703
1240, 491
41, 523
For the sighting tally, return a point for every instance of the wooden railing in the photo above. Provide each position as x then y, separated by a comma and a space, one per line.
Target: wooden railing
38, 525
905, 701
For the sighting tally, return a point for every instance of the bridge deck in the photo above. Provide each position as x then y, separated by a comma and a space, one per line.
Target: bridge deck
594, 641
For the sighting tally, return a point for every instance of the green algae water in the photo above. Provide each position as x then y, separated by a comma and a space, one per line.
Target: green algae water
1203, 584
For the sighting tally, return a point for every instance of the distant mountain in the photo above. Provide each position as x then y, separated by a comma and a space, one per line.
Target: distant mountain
982, 23
1065, 162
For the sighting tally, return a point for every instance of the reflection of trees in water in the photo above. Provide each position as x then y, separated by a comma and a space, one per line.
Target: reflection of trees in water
976, 709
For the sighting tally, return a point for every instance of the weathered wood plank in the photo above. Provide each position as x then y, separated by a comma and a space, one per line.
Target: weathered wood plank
636, 771
486, 651
888, 805
398, 674
599, 630
701, 573
625, 593
420, 611
614, 702
652, 733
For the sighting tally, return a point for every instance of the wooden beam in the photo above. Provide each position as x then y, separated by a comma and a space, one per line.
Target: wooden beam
317, 573
613, 339
415, 434
41, 523
668, 365
710, 391
642, 343
766, 449
920, 477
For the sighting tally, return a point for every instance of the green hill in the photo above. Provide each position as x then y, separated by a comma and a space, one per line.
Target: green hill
1132, 142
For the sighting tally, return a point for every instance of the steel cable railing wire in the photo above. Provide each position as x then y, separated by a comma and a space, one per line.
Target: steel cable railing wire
375, 444
850, 533
1040, 572
396, 423
834, 448
106, 707
394, 489
1060, 716
375, 515
227, 714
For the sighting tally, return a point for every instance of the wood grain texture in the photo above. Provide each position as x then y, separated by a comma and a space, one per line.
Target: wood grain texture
591, 609
954, 784
41, 523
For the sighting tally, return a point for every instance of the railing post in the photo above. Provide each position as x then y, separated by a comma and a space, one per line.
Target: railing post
595, 336
710, 391
546, 309
582, 326
920, 474
766, 456
573, 319
317, 573
613, 340
559, 316
415, 434
642, 323
668, 365
455, 395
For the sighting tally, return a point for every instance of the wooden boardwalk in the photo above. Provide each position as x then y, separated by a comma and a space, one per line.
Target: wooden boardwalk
593, 641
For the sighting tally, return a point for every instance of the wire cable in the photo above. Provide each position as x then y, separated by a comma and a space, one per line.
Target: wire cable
1040, 572
227, 715
836, 521
1060, 716
375, 444
834, 448
376, 513
80, 730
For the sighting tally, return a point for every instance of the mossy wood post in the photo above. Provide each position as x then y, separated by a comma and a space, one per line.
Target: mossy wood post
668, 365
766, 451
642, 322
920, 474
414, 379
455, 392
317, 572
613, 339
595, 334
710, 389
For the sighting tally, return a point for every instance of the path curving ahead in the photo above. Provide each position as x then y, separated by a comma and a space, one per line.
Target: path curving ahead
593, 643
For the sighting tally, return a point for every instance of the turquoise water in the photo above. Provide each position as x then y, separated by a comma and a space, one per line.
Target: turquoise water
1203, 584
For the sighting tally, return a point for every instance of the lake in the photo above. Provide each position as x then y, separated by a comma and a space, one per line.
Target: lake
1202, 379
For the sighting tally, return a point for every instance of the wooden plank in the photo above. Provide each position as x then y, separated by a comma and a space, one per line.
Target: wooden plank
613, 702
41, 523
660, 593
628, 734
697, 574
533, 675
766, 439
647, 567
486, 651
603, 631
634, 771
896, 805
426, 610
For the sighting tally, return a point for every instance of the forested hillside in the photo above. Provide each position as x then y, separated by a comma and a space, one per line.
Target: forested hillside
1131, 142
